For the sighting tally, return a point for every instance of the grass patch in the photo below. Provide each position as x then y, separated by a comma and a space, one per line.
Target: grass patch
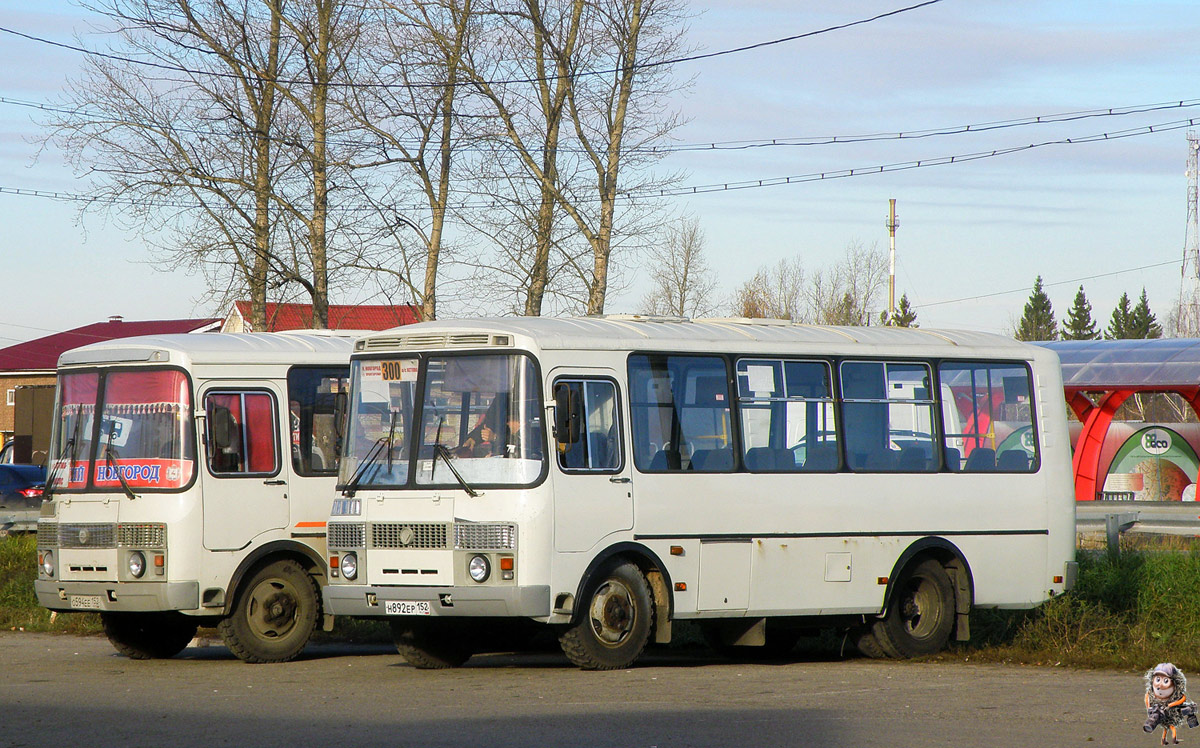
19, 608
1128, 612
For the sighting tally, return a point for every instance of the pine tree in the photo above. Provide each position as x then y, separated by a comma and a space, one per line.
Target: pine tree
1079, 324
1119, 325
1037, 323
906, 316
1142, 323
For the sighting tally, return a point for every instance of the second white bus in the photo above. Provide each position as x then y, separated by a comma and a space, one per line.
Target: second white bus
608, 476
190, 479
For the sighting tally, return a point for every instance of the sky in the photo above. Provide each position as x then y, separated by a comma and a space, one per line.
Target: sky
1110, 214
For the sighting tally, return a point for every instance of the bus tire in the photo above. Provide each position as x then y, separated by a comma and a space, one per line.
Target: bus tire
615, 626
275, 613
867, 644
433, 644
920, 617
148, 636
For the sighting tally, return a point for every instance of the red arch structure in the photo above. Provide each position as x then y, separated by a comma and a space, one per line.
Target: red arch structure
1111, 371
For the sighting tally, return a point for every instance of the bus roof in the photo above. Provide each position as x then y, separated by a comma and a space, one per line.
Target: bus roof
635, 332
219, 348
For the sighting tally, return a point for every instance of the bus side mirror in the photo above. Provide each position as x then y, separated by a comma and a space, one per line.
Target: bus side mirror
567, 415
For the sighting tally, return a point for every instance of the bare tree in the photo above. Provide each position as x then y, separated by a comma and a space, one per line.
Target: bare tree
189, 158
683, 284
577, 64
847, 292
775, 292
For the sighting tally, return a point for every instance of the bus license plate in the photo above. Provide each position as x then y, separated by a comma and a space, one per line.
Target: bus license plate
407, 607
85, 602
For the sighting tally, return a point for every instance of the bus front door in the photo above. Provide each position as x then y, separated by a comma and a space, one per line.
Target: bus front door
245, 480
593, 490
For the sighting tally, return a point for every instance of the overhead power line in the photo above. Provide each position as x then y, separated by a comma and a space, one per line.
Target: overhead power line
537, 79
909, 165
1049, 285
705, 188
731, 145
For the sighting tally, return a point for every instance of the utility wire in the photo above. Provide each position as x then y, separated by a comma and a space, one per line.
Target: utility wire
1048, 285
732, 145
908, 165
539, 79
704, 188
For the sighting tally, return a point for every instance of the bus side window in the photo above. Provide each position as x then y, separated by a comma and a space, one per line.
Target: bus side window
313, 410
599, 445
988, 418
680, 407
241, 433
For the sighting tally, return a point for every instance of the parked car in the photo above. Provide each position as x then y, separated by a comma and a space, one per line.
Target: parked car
21, 488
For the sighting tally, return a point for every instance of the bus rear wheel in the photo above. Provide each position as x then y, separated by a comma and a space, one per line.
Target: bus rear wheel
433, 644
615, 627
921, 615
275, 614
148, 636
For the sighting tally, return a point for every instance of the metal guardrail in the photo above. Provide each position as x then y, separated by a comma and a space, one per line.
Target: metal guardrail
23, 521
1115, 517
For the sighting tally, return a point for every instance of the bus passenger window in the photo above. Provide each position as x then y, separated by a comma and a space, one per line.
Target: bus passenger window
888, 411
599, 445
681, 414
787, 416
241, 433
987, 410
316, 435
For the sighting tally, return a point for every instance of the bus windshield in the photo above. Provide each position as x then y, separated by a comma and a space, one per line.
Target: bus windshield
144, 433
480, 412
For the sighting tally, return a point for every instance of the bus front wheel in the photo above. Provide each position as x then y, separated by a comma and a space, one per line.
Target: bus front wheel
274, 616
921, 615
433, 644
615, 627
148, 636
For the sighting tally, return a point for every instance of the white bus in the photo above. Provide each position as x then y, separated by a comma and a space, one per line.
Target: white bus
189, 481
608, 476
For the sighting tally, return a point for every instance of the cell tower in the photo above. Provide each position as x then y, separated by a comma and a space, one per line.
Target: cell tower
1188, 322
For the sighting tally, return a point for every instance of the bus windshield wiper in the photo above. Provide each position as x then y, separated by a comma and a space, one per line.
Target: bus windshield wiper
440, 450
110, 458
361, 469
48, 490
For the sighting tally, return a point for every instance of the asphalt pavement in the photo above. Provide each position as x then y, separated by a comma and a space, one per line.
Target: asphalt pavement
75, 691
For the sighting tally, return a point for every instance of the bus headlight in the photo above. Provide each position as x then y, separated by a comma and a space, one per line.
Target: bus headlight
48, 563
349, 565
137, 564
479, 568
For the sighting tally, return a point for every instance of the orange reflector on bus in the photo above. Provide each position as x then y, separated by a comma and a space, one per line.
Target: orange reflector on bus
1058, 580
506, 563
677, 550
881, 580
681, 586
159, 560
333, 562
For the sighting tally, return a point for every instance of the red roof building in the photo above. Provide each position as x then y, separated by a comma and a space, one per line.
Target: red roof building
27, 370
41, 354
341, 317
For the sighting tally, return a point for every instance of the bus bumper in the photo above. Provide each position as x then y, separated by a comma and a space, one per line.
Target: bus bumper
126, 597
497, 602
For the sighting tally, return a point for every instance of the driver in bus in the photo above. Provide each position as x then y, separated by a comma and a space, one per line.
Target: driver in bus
501, 433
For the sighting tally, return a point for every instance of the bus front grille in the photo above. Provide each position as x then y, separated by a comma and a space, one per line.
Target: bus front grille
481, 536
418, 535
87, 535
347, 535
